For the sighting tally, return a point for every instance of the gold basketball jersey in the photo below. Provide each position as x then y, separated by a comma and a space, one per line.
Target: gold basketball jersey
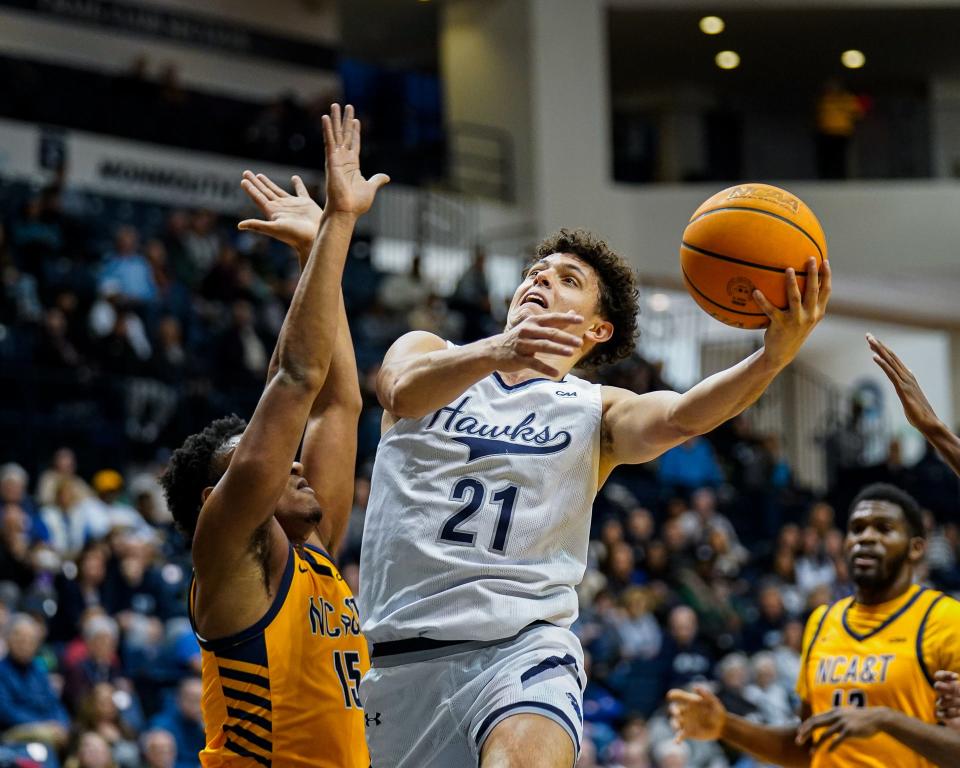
285, 691
879, 656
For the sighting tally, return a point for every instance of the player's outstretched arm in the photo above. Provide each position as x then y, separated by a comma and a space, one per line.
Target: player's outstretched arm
420, 374
939, 745
294, 220
700, 715
916, 407
246, 495
640, 427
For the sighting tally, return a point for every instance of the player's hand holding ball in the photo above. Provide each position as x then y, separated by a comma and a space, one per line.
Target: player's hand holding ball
790, 327
755, 256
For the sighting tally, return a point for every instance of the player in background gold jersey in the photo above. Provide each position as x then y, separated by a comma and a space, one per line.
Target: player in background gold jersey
282, 653
866, 681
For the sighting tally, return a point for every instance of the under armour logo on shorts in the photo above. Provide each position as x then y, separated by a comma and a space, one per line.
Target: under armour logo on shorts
375, 720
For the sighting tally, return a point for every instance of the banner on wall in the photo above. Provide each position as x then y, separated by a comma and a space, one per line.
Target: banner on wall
115, 167
183, 27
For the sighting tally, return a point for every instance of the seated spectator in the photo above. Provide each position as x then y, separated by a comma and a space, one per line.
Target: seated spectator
814, 568
632, 749
619, 568
770, 698
787, 654
702, 586
159, 749
122, 345
15, 561
185, 721
79, 588
595, 629
734, 674
93, 660
242, 355
92, 751
110, 713
63, 466
703, 518
685, 659
126, 267
785, 577
690, 465
764, 630
669, 754
601, 709
108, 485
55, 350
172, 296
637, 629
73, 518
640, 528
471, 298
13, 491
29, 707
201, 242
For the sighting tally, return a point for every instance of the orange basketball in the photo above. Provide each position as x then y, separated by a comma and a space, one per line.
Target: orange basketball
746, 237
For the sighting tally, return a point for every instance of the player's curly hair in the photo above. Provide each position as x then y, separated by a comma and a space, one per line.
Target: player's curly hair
193, 467
912, 514
619, 291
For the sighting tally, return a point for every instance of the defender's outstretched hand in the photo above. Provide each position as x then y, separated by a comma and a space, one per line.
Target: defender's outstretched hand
916, 407
696, 715
347, 190
291, 219
790, 327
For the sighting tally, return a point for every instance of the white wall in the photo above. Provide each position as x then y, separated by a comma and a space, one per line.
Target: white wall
485, 65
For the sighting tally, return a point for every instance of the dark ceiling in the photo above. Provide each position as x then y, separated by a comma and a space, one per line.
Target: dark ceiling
782, 51
396, 33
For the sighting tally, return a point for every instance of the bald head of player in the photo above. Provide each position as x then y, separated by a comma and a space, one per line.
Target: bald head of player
884, 542
197, 466
575, 271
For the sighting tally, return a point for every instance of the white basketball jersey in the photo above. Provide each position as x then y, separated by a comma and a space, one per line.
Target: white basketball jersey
479, 513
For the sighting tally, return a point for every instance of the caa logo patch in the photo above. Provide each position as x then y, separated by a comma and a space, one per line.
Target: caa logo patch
565, 394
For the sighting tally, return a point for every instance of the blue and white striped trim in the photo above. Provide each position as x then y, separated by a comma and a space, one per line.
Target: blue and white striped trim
551, 667
531, 708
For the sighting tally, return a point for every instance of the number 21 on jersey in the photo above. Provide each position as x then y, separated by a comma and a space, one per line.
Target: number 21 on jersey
474, 493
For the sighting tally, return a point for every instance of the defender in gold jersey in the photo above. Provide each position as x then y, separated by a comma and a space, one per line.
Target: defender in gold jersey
867, 675
282, 654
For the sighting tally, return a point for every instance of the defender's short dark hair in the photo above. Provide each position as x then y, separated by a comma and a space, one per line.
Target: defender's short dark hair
619, 292
193, 467
893, 495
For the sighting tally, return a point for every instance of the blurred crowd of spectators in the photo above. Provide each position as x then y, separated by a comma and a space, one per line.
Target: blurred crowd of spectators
117, 342
149, 102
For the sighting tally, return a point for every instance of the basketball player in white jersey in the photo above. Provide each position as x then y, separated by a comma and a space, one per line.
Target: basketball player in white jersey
478, 521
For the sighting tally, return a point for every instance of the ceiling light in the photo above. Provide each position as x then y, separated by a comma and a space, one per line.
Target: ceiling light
711, 25
728, 59
659, 302
853, 59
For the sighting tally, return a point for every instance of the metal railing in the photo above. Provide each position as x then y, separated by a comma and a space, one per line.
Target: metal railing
480, 161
